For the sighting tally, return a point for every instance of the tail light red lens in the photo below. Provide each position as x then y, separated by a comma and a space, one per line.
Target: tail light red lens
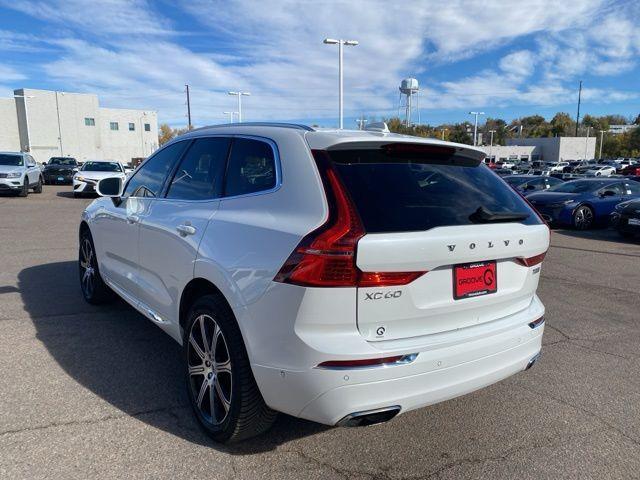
531, 261
326, 257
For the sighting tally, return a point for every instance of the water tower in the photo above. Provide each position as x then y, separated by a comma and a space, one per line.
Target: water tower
409, 88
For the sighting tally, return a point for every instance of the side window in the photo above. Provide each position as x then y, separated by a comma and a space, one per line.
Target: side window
149, 178
199, 176
251, 167
616, 187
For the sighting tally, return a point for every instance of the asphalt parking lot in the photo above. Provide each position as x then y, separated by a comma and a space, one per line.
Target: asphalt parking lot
96, 391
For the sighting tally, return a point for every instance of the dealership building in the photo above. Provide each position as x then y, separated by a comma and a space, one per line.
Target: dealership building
547, 149
48, 124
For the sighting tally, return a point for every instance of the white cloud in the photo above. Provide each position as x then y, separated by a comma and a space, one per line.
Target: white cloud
131, 55
10, 74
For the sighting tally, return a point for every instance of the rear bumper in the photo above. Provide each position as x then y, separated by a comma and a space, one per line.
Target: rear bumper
54, 178
452, 365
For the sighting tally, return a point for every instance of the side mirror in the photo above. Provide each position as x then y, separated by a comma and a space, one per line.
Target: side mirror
608, 193
110, 187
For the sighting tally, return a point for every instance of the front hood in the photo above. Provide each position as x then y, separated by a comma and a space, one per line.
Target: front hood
630, 207
98, 175
545, 198
10, 168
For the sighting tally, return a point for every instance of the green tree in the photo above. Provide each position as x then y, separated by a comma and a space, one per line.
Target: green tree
562, 125
166, 133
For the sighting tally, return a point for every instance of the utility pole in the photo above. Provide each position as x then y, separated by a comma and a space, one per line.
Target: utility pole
491, 144
240, 94
341, 43
188, 109
475, 128
601, 140
578, 115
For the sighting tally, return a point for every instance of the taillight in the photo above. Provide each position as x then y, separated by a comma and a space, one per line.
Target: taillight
326, 257
531, 261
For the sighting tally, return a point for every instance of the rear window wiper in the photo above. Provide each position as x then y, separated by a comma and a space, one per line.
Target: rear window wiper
482, 215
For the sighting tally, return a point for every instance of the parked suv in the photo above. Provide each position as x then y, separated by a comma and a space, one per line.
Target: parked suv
19, 173
339, 276
60, 170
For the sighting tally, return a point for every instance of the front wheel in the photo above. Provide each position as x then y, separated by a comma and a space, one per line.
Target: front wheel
583, 218
94, 290
221, 387
24, 191
38, 187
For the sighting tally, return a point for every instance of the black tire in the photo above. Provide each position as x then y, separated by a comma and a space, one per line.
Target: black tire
24, 191
38, 187
94, 290
76, 195
583, 218
627, 235
221, 377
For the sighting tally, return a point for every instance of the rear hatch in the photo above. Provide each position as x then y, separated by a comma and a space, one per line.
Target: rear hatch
438, 210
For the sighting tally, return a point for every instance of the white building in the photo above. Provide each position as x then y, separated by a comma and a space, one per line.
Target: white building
548, 149
49, 124
618, 129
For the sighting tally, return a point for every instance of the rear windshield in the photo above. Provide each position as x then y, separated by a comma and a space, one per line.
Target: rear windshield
400, 192
62, 161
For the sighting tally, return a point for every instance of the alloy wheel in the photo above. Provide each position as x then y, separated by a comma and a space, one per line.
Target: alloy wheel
583, 218
87, 268
209, 370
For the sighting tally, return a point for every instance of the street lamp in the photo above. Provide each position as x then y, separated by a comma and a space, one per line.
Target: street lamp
240, 94
26, 118
231, 114
443, 130
601, 140
475, 128
340, 43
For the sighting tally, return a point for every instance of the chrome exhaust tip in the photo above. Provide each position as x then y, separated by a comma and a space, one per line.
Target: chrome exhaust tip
369, 417
533, 360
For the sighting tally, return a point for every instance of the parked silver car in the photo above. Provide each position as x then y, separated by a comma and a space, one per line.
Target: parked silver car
19, 173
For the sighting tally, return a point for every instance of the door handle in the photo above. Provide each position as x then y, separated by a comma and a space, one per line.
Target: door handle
131, 219
185, 230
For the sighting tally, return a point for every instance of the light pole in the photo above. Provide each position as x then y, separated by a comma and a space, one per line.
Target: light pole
341, 43
586, 143
240, 94
491, 144
443, 130
601, 140
231, 114
26, 118
475, 128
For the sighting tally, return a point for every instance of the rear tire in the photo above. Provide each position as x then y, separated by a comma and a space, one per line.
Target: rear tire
583, 218
222, 390
626, 235
94, 290
24, 191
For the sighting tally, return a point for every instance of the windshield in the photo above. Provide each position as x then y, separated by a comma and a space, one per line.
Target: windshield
11, 160
415, 191
62, 161
578, 186
101, 167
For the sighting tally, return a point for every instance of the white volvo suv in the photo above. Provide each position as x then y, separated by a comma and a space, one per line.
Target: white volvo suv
338, 276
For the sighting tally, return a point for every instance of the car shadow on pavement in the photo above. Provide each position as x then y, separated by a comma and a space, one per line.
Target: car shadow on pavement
119, 355
65, 194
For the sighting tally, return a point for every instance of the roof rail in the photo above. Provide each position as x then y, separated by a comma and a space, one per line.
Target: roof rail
297, 126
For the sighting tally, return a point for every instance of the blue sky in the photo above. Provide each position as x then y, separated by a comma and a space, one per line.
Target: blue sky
506, 58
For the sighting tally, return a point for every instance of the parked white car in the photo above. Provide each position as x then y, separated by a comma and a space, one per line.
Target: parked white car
19, 173
91, 172
343, 277
557, 167
601, 171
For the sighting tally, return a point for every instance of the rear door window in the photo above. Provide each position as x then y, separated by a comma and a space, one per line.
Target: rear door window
199, 176
405, 190
251, 167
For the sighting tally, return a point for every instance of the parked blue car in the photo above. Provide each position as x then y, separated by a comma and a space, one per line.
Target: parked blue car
583, 203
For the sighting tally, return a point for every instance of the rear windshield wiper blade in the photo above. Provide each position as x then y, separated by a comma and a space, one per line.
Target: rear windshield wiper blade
482, 215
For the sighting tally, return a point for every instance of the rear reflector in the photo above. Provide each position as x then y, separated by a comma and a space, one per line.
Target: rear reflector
536, 323
369, 362
531, 261
326, 257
